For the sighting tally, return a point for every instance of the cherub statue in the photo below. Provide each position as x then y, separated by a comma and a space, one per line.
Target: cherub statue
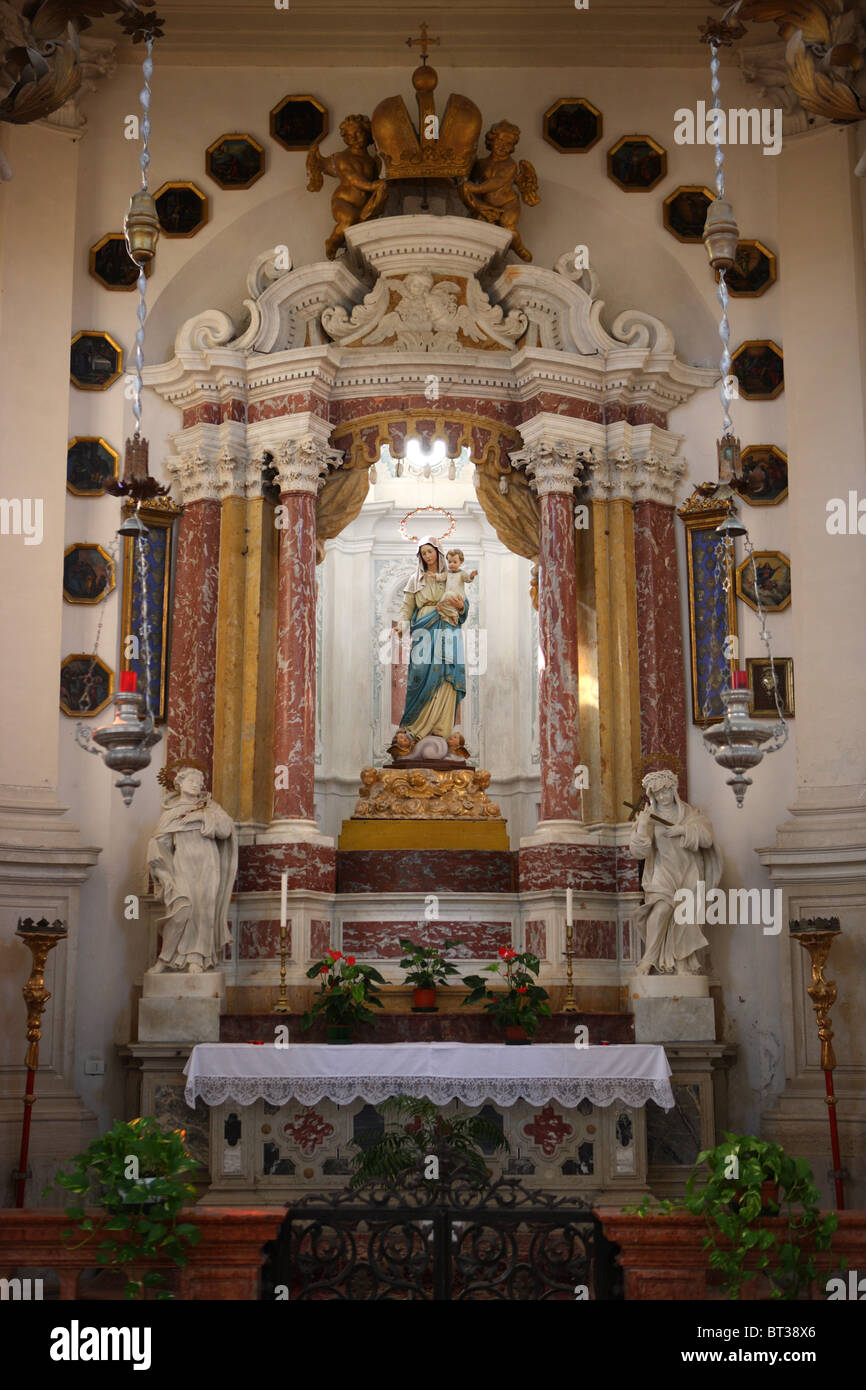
492, 192
360, 194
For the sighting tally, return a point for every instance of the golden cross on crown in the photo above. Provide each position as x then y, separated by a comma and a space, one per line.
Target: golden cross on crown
422, 43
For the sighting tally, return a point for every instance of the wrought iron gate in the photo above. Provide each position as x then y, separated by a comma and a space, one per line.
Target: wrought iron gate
500, 1243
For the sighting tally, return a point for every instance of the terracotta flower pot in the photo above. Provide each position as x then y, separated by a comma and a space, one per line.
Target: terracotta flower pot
339, 1033
515, 1036
769, 1197
424, 999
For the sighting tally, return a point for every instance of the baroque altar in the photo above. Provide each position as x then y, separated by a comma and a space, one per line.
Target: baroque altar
423, 331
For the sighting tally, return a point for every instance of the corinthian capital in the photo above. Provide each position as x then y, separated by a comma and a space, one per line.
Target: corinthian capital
302, 465
195, 477
555, 467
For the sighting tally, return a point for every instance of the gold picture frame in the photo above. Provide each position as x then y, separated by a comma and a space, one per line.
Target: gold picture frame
660, 161
710, 611
182, 185
159, 517
79, 362
80, 580
774, 576
300, 139
759, 366
74, 668
680, 219
113, 240
762, 705
221, 181
75, 470
753, 272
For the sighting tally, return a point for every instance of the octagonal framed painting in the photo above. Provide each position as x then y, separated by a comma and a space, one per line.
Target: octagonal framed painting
86, 685
88, 573
572, 125
297, 122
181, 207
753, 271
235, 161
636, 163
95, 360
90, 464
765, 475
111, 264
759, 368
772, 570
684, 211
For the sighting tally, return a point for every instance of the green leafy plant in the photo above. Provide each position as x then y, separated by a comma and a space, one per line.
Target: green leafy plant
733, 1187
426, 966
139, 1174
523, 1003
416, 1131
346, 992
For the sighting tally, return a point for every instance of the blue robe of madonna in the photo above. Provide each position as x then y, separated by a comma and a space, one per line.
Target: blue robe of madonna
436, 681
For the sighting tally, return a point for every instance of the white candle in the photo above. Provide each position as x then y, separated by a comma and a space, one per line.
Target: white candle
569, 919
284, 899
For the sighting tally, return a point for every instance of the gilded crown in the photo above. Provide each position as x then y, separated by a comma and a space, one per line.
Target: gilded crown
443, 150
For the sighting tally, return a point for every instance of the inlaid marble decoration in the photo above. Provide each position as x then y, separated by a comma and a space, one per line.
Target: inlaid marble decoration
172, 1112
260, 940
536, 938
674, 1136
382, 939
427, 870
320, 937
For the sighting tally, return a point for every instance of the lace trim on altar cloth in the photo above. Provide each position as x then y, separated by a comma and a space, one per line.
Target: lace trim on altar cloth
632, 1091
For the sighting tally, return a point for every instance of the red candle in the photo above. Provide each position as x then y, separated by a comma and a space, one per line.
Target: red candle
739, 680
128, 681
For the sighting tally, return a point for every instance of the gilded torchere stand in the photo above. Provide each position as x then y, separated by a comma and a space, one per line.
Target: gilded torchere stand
39, 937
816, 936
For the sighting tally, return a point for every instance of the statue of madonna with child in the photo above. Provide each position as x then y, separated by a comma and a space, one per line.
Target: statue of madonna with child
435, 607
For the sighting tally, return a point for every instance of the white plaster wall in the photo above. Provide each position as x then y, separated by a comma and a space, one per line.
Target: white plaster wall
639, 265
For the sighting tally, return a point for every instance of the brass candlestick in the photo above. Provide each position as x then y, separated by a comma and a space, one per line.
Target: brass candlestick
816, 935
39, 937
282, 1004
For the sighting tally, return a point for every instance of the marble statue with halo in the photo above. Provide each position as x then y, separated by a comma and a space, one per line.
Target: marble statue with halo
193, 859
675, 841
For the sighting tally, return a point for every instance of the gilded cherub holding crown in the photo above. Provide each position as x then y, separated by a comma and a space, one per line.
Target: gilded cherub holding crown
492, 192
360, 193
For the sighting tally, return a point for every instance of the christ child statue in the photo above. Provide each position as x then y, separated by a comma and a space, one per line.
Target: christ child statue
449, 606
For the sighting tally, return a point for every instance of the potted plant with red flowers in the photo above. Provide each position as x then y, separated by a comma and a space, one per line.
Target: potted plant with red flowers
518, 1008
426, 967
346, 990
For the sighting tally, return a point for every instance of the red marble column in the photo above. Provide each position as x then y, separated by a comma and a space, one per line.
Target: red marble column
661, 667
557, 628
192, 665
299, 466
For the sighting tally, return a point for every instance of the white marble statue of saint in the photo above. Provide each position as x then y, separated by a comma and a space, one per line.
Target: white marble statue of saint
193, 859
675, 841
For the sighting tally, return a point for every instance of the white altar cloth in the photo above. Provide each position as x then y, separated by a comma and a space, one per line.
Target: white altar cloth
440, 1071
